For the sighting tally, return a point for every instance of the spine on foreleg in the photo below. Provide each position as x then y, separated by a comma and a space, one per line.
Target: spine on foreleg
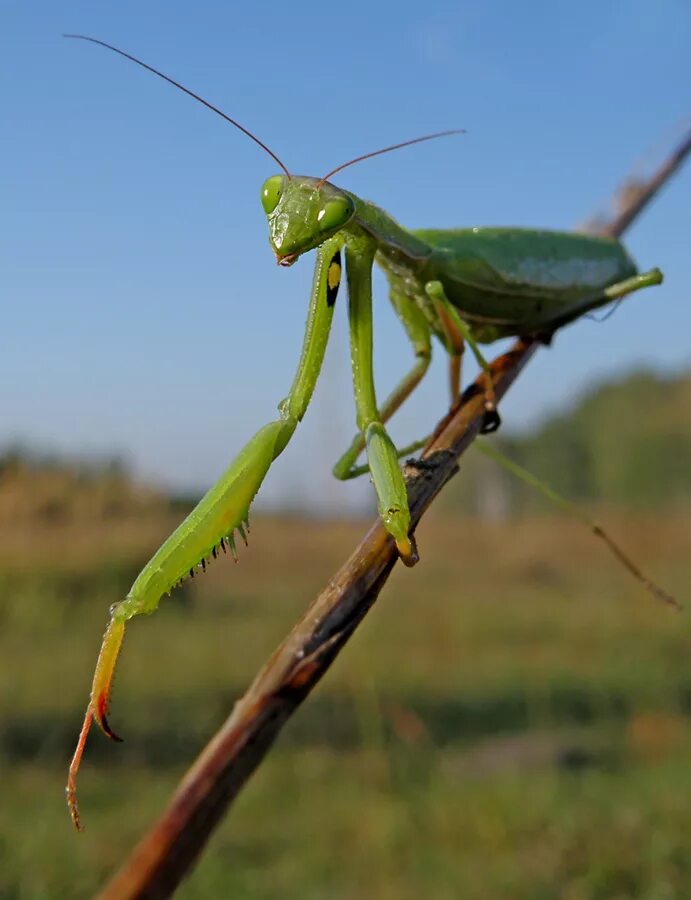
223, 510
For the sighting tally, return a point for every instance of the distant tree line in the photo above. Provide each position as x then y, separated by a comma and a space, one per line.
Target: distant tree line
625, 443
49, 487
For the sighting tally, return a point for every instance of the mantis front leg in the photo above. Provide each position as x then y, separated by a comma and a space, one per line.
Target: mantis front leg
381, 454
222, 511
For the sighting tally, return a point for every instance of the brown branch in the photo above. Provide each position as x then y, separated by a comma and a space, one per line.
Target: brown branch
167, 852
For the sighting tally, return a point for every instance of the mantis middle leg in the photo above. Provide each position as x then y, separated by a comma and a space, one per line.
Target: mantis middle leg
447, 313
387, 477
418, 332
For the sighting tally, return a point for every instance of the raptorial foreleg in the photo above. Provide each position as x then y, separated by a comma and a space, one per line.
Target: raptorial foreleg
223, 511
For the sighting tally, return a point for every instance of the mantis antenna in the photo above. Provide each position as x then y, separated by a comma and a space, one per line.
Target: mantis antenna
139, 62
83, 37
418, 140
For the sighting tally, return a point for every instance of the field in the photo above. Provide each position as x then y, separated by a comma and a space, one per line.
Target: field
512, 720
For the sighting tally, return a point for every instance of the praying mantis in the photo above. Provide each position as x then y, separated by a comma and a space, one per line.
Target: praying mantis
459, 287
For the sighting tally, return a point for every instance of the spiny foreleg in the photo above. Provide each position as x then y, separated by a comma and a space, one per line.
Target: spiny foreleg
222, 511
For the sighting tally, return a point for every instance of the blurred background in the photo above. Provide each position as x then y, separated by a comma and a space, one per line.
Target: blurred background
513, 718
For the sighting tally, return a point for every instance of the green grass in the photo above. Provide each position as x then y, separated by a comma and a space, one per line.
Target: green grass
512, 720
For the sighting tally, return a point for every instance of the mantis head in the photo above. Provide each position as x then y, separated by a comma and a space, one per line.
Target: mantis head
302, 213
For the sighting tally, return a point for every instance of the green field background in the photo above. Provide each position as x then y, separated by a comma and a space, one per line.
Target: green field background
512, 719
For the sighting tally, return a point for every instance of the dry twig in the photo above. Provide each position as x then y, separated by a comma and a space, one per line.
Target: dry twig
167, 852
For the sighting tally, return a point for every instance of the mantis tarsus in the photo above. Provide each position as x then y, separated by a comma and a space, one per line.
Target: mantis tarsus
463, 286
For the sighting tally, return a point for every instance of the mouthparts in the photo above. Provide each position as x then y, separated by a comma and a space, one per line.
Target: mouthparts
286, 260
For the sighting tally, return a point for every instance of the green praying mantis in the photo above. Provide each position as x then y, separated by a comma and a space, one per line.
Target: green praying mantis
461, 286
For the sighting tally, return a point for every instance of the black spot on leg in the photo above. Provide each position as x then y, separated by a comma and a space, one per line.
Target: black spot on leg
333, 278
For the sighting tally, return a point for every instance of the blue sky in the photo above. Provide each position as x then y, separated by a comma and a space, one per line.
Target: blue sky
142, 311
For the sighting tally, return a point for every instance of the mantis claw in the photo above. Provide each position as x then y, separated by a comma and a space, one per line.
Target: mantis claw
102, 721
491, 421
407, 550
103, 676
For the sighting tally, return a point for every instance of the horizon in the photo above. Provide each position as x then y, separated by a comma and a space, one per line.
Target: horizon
38, 459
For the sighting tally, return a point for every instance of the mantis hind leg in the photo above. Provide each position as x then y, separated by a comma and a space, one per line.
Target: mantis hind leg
455, 345
613, 293
418, 331
458, 333
636, 283
493, 453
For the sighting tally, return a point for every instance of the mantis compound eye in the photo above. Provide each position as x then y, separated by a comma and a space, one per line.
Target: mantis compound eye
271, 193
335, 213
